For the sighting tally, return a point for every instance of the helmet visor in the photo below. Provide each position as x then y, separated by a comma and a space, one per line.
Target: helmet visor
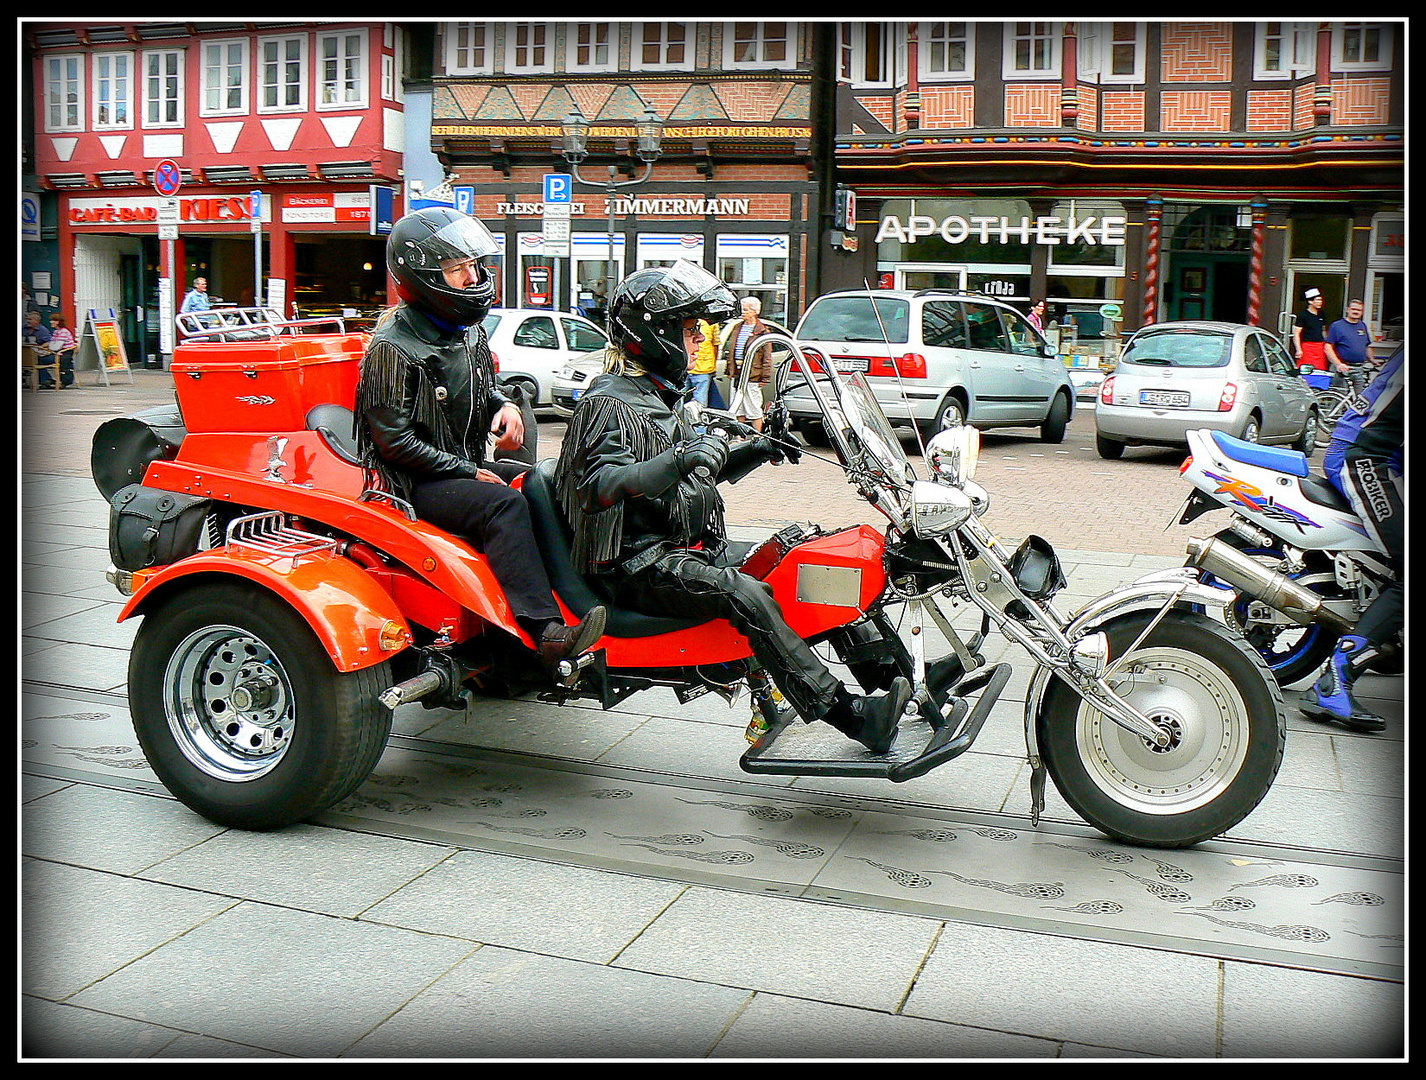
460, 239
686, 289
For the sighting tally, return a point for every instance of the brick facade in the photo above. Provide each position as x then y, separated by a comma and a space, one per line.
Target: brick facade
1197, 52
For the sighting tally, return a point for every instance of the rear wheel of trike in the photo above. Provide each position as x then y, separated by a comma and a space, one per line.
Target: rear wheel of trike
1222, 709
241, 713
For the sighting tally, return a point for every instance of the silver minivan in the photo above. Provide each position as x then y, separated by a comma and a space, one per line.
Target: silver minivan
938, 358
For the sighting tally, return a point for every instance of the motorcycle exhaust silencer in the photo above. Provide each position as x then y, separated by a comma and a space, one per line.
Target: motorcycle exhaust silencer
1276, 590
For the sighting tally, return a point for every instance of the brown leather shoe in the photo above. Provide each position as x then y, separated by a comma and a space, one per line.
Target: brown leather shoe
560, 642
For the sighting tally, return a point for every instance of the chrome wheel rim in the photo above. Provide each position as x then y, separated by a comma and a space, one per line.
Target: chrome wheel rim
1203, 712
229, 703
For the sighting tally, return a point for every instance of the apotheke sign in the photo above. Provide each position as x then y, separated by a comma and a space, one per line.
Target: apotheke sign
987, 229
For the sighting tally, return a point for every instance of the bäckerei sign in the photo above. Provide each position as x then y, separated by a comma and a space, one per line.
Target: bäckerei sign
988, 229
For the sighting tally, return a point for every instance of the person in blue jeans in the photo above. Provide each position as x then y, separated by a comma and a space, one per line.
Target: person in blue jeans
1364, 461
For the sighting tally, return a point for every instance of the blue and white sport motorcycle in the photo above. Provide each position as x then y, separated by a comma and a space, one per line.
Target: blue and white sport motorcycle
1304, 566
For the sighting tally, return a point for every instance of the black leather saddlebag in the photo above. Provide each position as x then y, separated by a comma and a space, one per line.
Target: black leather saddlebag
123, 447
148, 527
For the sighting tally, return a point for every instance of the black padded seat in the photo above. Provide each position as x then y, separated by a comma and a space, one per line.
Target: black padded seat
553, 537
337, 426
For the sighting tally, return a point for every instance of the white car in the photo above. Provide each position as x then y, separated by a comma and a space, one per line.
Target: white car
531, 345
576, 376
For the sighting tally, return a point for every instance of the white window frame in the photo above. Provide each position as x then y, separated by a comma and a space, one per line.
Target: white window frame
346, 62
1050, 32
520, 55
1384, 46
148, 99
463, 54
281, 64
1297, 51
852, 54
227, 64
927, 39
602, 36
64, 92
121, 90
663, 41
1102, 43
759, 42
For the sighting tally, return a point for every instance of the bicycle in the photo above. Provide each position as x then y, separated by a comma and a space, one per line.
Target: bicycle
1334, 394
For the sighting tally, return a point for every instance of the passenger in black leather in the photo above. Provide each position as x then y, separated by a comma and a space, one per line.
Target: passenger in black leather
639, 487
428, 403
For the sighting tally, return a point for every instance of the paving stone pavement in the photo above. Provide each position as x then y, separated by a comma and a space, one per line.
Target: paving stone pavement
148, 932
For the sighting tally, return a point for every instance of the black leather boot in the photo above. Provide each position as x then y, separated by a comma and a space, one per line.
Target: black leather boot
872, 720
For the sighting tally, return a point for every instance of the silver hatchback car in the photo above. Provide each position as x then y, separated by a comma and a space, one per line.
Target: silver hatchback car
938, 358
1177, 376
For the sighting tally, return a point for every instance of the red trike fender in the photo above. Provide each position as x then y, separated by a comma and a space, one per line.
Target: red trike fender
357, 622
332, 498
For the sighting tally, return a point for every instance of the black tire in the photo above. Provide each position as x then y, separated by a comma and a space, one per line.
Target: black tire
1108, 448
1230, 731
1307, 439
952, 412
271, 733
1053, 429
1252, 429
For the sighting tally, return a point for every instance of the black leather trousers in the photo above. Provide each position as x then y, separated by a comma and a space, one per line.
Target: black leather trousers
694, 583
495, 520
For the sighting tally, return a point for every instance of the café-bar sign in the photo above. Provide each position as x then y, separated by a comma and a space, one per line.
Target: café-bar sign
1091, 229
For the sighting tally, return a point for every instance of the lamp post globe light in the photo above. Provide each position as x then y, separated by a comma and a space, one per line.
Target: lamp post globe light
575, 148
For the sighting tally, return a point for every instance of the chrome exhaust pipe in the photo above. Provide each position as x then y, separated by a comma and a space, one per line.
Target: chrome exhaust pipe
1276, 590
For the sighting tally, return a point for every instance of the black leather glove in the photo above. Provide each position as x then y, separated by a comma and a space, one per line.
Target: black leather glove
707, 452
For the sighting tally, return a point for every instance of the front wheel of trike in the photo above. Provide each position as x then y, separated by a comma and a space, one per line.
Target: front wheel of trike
1222, 709
241, 713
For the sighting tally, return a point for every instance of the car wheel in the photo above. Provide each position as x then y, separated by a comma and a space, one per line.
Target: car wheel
1252, 430
952, 413
1053, 429
1108, 448
1307, 441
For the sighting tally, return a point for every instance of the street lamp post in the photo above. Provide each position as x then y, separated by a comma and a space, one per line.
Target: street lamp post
575, 130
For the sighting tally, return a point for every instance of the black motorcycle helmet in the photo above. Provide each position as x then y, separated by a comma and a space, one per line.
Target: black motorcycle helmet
418, 246
648, 309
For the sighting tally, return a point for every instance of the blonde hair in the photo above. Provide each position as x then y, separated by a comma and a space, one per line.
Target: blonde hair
618, 362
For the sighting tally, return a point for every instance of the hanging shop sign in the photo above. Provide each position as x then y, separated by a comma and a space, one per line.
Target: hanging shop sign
1107, 230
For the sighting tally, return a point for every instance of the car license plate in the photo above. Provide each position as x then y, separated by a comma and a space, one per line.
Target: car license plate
1177, 399
574, 394
849, 364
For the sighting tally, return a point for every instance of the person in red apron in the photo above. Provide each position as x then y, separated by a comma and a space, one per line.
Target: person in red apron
1309, 332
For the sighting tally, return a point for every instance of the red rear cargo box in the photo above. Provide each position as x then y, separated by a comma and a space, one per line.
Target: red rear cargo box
267, 385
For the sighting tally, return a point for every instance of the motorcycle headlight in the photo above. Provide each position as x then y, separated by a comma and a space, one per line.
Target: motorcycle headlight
953, 454
937, 510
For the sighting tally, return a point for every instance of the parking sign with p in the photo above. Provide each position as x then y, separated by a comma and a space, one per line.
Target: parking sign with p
558, 188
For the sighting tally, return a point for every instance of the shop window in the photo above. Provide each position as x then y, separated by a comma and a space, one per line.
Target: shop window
759, 275
1319, 238
64, 92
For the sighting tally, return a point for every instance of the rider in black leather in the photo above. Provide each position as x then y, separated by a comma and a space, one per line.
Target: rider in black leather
428, 403
639, 486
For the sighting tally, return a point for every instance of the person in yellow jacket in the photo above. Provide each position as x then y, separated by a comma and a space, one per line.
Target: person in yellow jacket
705, 362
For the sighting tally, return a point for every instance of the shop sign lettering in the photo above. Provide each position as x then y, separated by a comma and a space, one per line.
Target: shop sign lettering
145, 211
954, 229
